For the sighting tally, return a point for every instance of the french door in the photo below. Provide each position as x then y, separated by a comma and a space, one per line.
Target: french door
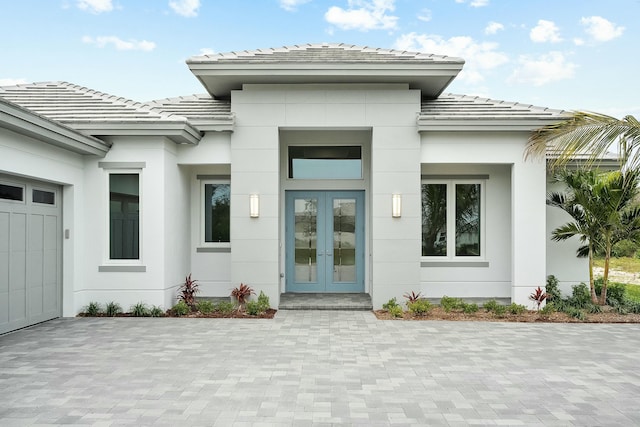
324, 241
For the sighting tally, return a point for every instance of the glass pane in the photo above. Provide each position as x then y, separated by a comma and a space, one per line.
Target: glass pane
325, 162
344, 240
306, 240
467, 219
216, 212
124, 216
11, 192
46, 197
434, 219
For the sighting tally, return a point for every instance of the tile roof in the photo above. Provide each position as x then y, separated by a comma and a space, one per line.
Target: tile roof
69, 103
451, 106
196, 108
324, 53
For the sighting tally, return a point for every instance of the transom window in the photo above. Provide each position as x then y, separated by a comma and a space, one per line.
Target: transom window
452, 219
325, 162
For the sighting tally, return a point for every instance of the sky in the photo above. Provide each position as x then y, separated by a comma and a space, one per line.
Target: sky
563, 54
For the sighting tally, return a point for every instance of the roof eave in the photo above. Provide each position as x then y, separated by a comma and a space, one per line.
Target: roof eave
179, 132
28, 123
468, 124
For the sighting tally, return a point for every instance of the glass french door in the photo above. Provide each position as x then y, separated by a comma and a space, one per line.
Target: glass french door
325, 241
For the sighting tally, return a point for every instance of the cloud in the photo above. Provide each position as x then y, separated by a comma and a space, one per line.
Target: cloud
292, 5
425, 15
475, 3
493, 27
95, 6
363, 15
187, 8
600, 29
119, 44
545, 32
542, 69
12, 82
479, 56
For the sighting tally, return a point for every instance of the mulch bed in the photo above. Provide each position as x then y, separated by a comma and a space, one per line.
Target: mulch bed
214, 315
437, 313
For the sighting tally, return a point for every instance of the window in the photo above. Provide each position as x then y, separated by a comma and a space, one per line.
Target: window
216, 206
11, 192
124, 216
325, 162
452, 219
43, 197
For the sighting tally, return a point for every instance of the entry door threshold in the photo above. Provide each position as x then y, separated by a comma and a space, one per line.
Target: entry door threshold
325, 301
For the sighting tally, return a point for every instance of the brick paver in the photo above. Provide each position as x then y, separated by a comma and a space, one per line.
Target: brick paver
318, 368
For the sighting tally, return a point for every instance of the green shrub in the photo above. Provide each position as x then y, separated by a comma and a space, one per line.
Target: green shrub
93, 309
516, 308
616, 292
575, 312
263, 302
500, 310
625, 248
450, 303
593, 308
419, 307
139, 310
548, 309
396, 311
156, 311
490, 305
181, 308
470, 308
204, 306
580, 296
553, 289
112, 309
225, 307
392, 303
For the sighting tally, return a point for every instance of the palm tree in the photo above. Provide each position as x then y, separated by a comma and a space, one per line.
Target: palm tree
603, 212
589, 137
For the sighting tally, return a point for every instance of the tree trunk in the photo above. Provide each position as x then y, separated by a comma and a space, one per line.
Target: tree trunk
605, 275
592, 287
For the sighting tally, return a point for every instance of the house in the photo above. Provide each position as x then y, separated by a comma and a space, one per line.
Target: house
311, 168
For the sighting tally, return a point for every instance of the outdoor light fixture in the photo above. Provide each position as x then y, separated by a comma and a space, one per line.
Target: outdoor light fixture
254, 205
396, 205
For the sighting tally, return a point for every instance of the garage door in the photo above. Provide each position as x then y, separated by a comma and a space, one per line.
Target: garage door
30, 252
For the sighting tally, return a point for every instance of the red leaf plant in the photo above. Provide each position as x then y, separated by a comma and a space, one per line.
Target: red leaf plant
188, 290
412, 297
538, 296
242, 293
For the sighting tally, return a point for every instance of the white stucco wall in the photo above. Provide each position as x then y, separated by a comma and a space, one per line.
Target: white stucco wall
527, 215
164, 224
389, 112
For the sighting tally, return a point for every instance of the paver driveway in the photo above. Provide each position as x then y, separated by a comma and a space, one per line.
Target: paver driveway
318, 368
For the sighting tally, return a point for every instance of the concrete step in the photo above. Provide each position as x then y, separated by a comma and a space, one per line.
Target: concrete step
325, 301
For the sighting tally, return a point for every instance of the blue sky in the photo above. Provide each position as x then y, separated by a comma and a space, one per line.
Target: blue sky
566, 54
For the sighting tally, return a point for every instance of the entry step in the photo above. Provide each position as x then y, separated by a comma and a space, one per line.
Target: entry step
325, 301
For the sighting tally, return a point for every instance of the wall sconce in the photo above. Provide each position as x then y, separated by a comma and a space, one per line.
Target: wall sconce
396, 205
254, 205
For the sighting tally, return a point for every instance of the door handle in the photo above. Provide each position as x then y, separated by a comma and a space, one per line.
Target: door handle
329, 253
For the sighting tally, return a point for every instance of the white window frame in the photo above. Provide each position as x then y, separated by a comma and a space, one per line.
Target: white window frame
451, 219
202, 243
25, 195
107, 247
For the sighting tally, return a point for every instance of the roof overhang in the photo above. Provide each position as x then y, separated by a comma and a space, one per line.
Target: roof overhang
220, 79
180, 132
485, 124
28, 123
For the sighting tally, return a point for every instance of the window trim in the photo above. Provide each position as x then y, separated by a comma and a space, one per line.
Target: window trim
109, 262
48, 190
204, 246
25, 194
451, 259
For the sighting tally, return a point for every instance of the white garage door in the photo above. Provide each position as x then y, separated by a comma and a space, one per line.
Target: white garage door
30, 252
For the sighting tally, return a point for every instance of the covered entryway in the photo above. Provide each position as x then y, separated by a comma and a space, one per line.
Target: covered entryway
325, 241
30, 252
